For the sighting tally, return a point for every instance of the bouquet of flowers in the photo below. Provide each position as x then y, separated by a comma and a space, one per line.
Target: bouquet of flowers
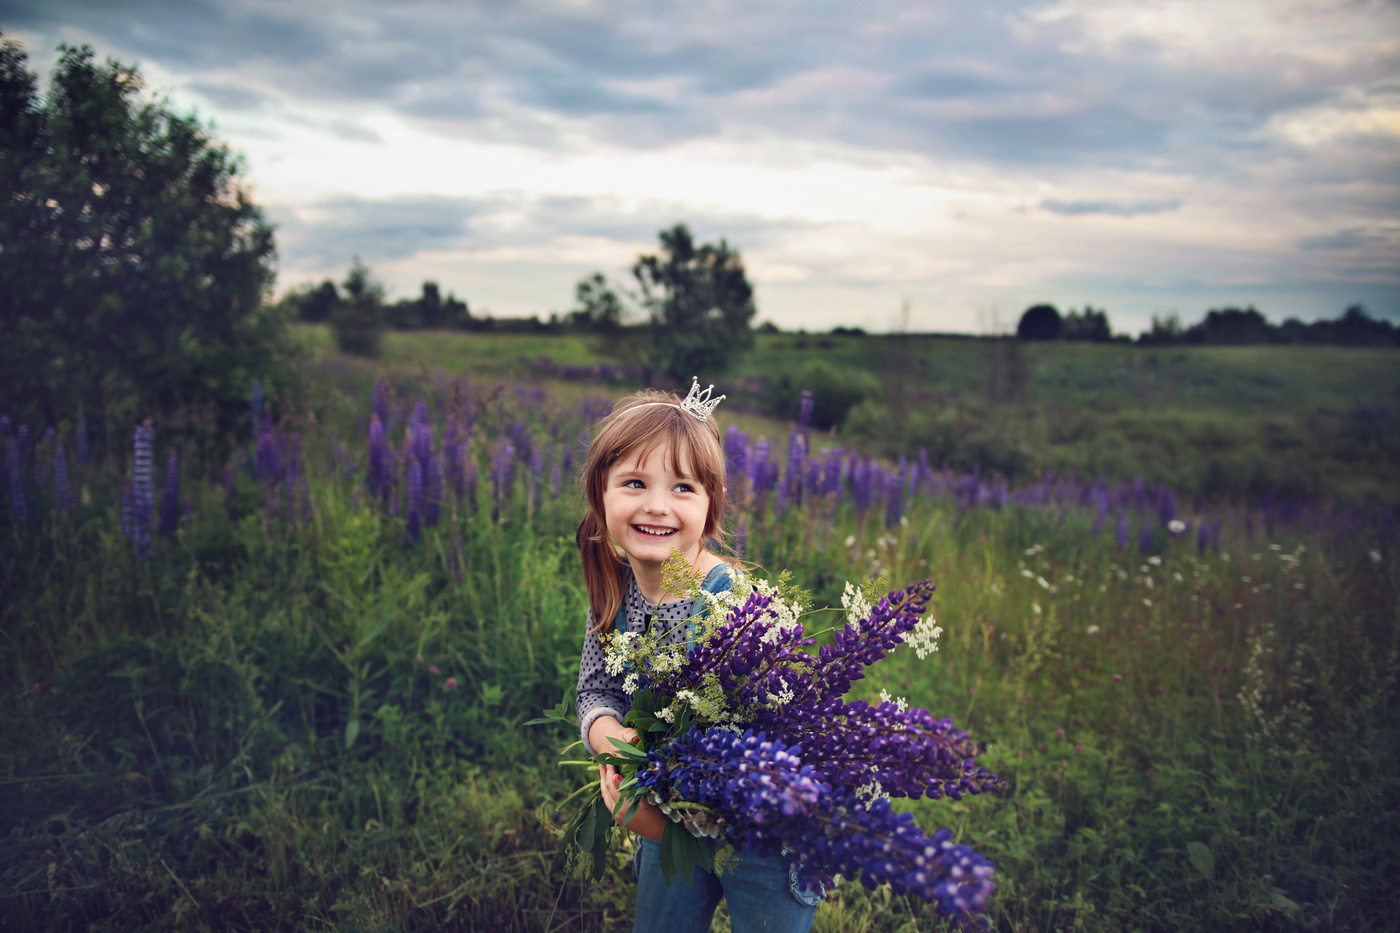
745, 742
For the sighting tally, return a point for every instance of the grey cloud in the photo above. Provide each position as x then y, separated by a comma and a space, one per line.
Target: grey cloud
1341, 240
330, 232
228, 96
1116, 208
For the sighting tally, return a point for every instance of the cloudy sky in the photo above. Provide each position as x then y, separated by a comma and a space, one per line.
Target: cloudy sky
1144, 156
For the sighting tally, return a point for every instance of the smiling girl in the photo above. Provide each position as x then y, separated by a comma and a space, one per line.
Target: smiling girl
654, 484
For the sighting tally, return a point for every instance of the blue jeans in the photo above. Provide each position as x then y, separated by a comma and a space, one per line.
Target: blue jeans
762, 895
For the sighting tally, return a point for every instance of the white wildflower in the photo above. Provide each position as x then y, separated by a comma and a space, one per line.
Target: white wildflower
1375, 555
629, 684
1044, 583
871, 792
900, 703
1028, 574
1155, 561
923, 638
666, 715
1036, 608
1176, 526
617, 652
784, 696
1092, 630
856, 606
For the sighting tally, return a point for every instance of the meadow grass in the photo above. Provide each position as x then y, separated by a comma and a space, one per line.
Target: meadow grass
313, 724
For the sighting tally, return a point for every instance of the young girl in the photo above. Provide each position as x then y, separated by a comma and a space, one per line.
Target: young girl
654, 482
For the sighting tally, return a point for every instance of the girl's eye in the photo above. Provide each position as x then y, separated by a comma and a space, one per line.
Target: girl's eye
634, 484
684, 487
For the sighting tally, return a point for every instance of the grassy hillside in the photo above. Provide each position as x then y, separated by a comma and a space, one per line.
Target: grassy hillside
1219, 424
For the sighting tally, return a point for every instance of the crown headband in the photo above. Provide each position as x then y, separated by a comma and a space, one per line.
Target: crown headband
697, 403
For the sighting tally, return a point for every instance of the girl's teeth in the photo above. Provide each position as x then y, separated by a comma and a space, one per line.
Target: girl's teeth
660, 534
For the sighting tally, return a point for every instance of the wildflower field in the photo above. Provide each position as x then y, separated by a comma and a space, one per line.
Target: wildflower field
289, 691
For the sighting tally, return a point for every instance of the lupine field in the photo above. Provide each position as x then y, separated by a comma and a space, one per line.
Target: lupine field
288, 691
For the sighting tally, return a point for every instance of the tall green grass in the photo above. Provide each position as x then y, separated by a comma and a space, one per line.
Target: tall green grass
318, 726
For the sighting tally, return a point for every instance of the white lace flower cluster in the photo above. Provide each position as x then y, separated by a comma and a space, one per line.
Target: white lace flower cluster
923, 637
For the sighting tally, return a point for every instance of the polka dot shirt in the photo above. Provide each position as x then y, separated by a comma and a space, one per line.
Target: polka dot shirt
600, 693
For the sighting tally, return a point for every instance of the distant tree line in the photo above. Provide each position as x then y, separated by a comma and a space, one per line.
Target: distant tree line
1226, 326
1044, 322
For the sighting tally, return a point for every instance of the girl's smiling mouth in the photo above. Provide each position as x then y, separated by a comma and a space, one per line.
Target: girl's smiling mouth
656, 531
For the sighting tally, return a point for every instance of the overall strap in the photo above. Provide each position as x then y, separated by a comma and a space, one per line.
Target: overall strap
620, 620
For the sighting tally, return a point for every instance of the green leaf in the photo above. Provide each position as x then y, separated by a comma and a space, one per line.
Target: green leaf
1201, 859
352, 732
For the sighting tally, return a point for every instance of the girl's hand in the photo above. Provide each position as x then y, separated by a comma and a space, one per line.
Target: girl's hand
606, 727
643, 818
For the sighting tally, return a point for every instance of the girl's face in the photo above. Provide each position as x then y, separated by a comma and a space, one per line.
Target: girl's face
649, 510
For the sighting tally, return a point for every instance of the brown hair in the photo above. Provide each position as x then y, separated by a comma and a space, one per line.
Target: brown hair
637, 426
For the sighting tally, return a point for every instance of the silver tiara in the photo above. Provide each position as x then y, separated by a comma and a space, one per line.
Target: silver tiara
699, 403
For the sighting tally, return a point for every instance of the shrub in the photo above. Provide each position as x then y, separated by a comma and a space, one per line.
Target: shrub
835, 391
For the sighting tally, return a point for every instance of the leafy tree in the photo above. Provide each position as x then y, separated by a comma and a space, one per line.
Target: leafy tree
596, 306
700, 303
358, 322
1088, 325
133, 264
313, 303
1040, 322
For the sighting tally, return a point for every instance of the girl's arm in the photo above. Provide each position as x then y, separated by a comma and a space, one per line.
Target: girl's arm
647, 821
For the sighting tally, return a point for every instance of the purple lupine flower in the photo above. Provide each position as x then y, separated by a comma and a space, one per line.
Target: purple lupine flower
1122, 535
1139, 494
735, 449
773, 804
422, 431
379, 401
894, 505
1166, 506
566, 468
556, 480
170, 498
831, 474
231, 492
1202, 537
804, 414
797, 456
22, 439
471, 483
780, 504
432, 492
757, 462
142, 491
413, 485
741, 540
18, 505
1145, 538
375, 480
62, 498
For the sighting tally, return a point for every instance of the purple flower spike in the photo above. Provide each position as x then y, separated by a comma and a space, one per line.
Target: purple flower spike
1122, 535
804, 411
432, 492
894, 507
1145, 538
773, 803
170, 498
255, 408
741, 540
377, 486
18, 505
413, 482
142, 491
